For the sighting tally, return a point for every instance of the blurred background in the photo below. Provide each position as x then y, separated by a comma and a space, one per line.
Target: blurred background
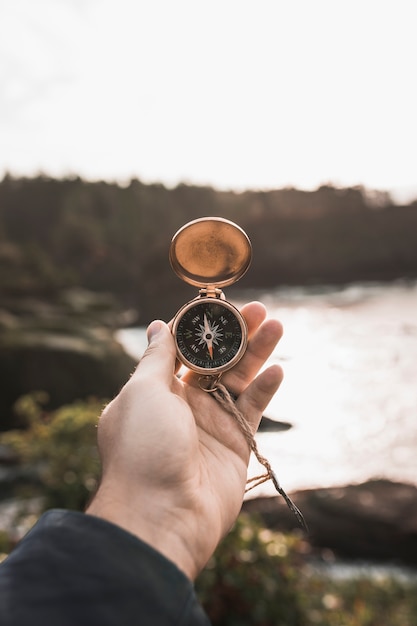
121, 121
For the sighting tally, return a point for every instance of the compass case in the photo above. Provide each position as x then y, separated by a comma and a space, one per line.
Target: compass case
210, 251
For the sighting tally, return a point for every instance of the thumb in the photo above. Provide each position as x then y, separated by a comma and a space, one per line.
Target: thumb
154, 329
159, 358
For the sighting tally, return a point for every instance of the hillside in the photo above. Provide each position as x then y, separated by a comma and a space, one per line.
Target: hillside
59, 234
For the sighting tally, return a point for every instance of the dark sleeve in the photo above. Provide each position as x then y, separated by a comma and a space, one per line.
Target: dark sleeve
74, 569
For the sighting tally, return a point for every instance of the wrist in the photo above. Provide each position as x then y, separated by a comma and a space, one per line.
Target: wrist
159, 524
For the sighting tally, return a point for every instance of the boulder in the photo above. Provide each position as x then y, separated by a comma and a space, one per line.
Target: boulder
68, 363
374, 520
269, 425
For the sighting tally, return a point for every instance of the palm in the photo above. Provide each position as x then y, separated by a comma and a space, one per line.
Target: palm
199, 463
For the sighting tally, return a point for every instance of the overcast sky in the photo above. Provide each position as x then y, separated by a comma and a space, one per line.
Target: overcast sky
232, 93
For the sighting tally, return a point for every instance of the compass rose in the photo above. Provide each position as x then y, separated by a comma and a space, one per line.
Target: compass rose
209, 334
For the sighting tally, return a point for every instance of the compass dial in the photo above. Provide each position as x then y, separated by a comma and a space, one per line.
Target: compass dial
211, 335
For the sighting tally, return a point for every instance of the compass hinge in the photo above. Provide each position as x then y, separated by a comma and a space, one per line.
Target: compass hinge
211, 292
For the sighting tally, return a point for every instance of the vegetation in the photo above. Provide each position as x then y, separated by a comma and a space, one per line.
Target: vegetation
256, 577
57, 452
253, 579
56, 234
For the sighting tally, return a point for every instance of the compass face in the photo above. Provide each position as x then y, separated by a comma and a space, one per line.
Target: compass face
211, 335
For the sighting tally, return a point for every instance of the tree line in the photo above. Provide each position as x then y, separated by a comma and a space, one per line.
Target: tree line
101, 236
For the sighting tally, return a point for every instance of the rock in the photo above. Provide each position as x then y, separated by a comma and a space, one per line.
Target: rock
65, 310
273, 426
66, 363
375, 520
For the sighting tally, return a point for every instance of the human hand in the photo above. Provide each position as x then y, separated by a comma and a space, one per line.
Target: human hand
174, 462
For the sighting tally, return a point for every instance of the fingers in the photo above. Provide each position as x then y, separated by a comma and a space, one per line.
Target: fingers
260, 347
259, 393
254, 314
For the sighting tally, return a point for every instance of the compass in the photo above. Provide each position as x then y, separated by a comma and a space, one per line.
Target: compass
210, 333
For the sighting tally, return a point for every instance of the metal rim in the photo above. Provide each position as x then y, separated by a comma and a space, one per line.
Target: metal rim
238, 355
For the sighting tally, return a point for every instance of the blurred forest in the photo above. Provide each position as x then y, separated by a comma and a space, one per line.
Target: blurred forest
56, 235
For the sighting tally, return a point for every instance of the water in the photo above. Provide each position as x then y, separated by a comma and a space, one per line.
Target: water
350, 389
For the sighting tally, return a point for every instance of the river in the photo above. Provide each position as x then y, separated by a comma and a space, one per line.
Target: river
350, 389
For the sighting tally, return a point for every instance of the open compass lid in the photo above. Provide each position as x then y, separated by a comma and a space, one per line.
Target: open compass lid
210, 251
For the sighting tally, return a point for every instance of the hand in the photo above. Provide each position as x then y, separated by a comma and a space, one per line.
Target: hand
174, 462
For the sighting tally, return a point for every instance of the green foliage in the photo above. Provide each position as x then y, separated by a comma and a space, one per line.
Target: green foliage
359, 602
59, 450
5, 544
252, 578
262, 578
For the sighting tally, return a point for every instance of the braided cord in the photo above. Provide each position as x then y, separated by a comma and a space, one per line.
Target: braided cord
226, 400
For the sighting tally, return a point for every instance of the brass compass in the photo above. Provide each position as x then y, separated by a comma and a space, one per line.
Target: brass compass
210, 333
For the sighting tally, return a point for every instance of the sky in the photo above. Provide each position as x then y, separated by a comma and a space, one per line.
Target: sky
237, 94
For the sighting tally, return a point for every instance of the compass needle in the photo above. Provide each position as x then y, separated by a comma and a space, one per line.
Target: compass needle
208, 336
